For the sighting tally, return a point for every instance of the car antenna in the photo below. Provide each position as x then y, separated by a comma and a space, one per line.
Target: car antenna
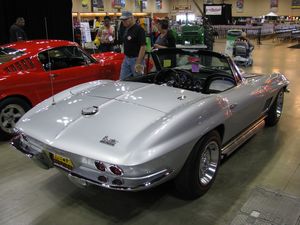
51, 76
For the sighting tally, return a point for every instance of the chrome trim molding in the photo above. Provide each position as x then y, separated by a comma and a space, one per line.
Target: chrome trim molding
42, 159
83, 176
244, 136
88, 111
136, 183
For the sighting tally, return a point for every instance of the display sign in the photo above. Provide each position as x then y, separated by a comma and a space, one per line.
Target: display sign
239, 5
213, 10
85, 32
98, 5
208, 2
295, 4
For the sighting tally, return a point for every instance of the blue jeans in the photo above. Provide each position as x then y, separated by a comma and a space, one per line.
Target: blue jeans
127, 68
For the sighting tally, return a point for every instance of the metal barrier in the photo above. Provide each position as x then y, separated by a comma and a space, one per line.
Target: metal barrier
281, 31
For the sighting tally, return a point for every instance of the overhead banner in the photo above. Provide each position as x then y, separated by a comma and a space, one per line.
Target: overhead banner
274, 4
84, 4
295, 4
118, 4
213, 10
98, 5
138, 3
158, 4
239, 5
85, 32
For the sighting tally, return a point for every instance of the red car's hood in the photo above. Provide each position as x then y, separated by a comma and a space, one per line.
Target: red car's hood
108, 56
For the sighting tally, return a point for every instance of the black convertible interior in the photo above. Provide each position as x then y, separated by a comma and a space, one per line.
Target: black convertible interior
206, 73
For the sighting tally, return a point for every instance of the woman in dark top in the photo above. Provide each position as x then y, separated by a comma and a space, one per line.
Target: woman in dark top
166, 38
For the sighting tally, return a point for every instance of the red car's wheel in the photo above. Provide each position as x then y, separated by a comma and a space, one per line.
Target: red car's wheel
11, 110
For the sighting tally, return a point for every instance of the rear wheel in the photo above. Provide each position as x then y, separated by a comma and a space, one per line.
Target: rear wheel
11, 110
200, 169
275, 111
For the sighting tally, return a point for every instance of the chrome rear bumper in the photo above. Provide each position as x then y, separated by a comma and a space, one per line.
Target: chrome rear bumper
84, 176
125, 183
40, 158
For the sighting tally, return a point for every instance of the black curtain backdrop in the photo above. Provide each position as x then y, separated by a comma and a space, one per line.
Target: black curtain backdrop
58, 14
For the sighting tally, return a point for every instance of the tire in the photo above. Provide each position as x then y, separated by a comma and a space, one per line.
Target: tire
275, 111
11, 110
201, 167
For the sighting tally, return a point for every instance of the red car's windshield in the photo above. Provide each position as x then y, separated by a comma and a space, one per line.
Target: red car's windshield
7, 54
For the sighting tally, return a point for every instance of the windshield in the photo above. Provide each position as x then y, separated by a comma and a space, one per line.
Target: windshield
194, 62
194, 70
7, 54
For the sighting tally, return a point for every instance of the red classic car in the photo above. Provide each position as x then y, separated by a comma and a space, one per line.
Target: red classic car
32, 71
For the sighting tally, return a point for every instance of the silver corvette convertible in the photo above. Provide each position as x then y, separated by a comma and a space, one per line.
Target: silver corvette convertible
191, 108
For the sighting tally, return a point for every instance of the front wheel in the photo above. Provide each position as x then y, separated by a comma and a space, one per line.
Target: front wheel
275, 110
11, 110
201, 167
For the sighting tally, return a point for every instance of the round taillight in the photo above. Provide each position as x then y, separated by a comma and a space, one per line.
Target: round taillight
116, 170
100, 166
102, 179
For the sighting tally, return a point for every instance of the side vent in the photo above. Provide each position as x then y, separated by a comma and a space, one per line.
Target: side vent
12, 68
19, 66
29, 62
267, 104
6, 70
22, 65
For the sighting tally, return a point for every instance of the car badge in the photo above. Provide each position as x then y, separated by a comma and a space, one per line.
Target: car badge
181, 97
108, 141
89, 111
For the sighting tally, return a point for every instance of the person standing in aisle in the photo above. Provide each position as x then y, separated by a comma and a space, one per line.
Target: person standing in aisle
134, 41
165, 38
97, 22
16, 32
106, 34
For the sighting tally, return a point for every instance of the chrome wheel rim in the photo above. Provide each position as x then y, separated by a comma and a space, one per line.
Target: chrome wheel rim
9, 116
279, 104
209, 163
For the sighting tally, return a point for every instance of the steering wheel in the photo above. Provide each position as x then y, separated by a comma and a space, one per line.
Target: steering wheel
174, 77
214, 77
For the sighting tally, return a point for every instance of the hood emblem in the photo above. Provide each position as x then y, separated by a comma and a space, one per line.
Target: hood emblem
89, 111
182, 97
108, 141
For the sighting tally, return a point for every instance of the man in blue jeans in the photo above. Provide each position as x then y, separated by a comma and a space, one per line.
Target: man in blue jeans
134, 47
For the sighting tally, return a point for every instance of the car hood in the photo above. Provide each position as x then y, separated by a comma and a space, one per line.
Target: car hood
127, 112
251, 75
160, 98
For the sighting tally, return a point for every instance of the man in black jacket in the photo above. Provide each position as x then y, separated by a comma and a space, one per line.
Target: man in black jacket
16, 32
134, 41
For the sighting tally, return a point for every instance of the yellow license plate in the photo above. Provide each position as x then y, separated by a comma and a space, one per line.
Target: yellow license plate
63, 161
